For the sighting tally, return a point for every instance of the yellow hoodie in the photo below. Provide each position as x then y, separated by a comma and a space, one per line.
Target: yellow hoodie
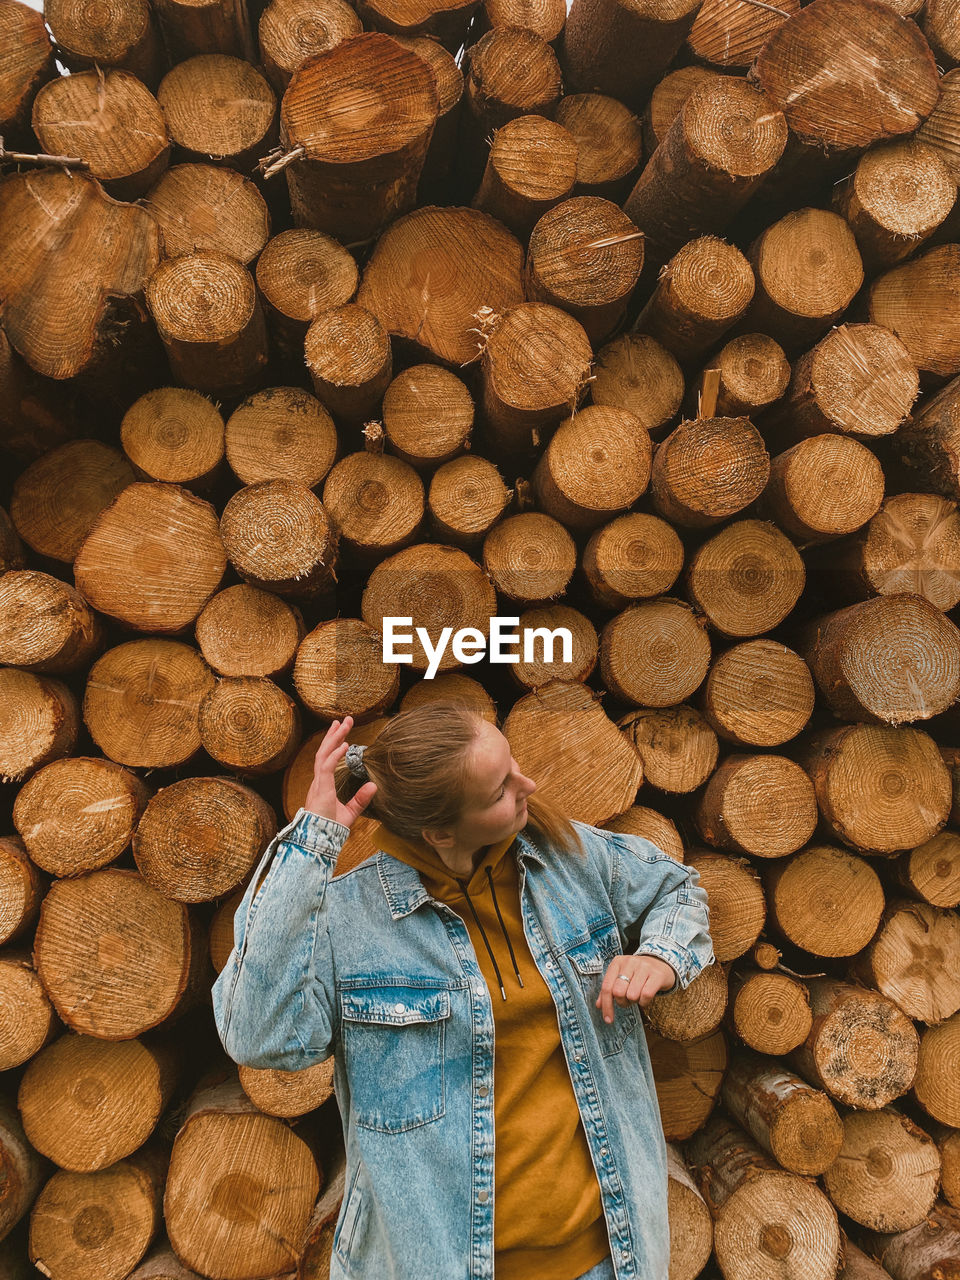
548, 1217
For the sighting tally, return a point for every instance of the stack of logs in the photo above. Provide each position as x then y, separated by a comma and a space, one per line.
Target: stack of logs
643, 321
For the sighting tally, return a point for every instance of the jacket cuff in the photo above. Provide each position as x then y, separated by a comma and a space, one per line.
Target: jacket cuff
309, 831
680, 960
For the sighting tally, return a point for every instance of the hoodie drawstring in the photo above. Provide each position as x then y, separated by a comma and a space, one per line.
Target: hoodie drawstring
483, 934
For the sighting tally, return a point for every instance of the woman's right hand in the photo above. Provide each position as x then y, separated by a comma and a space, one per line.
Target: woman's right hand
321, 797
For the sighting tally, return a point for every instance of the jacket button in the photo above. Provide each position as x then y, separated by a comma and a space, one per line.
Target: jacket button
483, 1196
483, 1090
399, 1008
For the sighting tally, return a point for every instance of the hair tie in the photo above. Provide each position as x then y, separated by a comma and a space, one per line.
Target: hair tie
354, 759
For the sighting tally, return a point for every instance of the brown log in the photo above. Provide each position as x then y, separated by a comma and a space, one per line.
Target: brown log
930, 1251
613, 47
691, 1226
668, 96
531, 167
758, 694
928, 443
478, 260
931, 872
914, 960
920, 302
220, 938
208, 315
886, 1173
688, 1078
754, 373
349, 180
825, 900
39, 720
547, 746
822, 488
725, 139
935, 1085
300, 274
546, 662
765, 955
220, 108
349, 360
204, 208
633, 557
161, 1263
113, 35
694, 1012
200, 837
940, 129
654, 654
861, 1048
244, 631
731, 33
21, 890
448, 686
23, 1170
86, 1103
677, 746
291, 31
794, 1123
376, 501
634, 372
174, 435
737, 909
585, 255
36, 415
282, 433
45, 625
770, 1012
529, 558
596, 466
609, 140
27, 1018
339, 665
942, 30
848, 73
704, 289
857, 1265
444, 20
142, 702
427, 416
210, 26
12, 554
79, 814
763, 805
288, 1093
544, 17
761, 1213
948, 1144
707, 470
318, 1238
279, 537
442, 149
746, 579
466, 498
58, 498
28, 64
640, 820
880, 789
115, 956
112, 121
227, 1148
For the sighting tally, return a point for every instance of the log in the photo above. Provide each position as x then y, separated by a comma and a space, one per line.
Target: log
893, 659
879, 789
28, 65
940, 27
301, 274
585, 255
39, 721
765, 955
687, 1078
918, 301
861, 1048
442, 149
633, 557
822, 488
112, 121
694, 1012
935, 1084
199, 838
540, 728
445, 20
758, 694
12, 554
725, 139
763, 805
58, 498
279, 537
175, 436
914, 960
797, 1125
142, 702
754, 373
466, 498
609, 140
939, 130
161, 1263
678, 748
376, 502
770, 1012
477, 259
668, 96
886, 1173
114, 35
931, 872
858, 1266
654, 654
544, 17
218, 107
732, 33
282, 433
206, 27
288, 1093
704, 289
318, 1237
291, 31
634, 372
448, 686
691, 1226
208, 315
207, 208
531, 167
79, 814
529, 558
746, 579
244, 631
36, 415
427, 416
948, 1145
348, 180
737, 909
340, 665
707, 470
640, 820
927, 443
848, 73
27, 1019
825, 900
761, 1213
595, 467
21, 890
23, 1170
613, 47
86, 1103
930, 1251
220, 1204
45, 625
348, 357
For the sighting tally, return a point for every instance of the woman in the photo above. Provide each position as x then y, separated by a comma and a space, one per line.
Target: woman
478, 982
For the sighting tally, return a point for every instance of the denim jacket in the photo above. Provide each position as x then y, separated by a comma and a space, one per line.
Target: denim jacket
369, 967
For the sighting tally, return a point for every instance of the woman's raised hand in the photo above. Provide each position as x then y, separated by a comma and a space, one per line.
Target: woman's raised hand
321, 797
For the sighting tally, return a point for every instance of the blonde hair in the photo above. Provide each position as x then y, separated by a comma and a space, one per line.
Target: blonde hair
420, 763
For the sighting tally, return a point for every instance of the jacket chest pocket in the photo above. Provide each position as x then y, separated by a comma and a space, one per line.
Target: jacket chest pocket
590, 961
393, 1042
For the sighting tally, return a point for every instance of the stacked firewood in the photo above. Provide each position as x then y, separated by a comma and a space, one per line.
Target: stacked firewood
642, 321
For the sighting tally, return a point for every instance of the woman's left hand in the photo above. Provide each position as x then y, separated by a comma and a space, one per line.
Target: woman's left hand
647, 975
